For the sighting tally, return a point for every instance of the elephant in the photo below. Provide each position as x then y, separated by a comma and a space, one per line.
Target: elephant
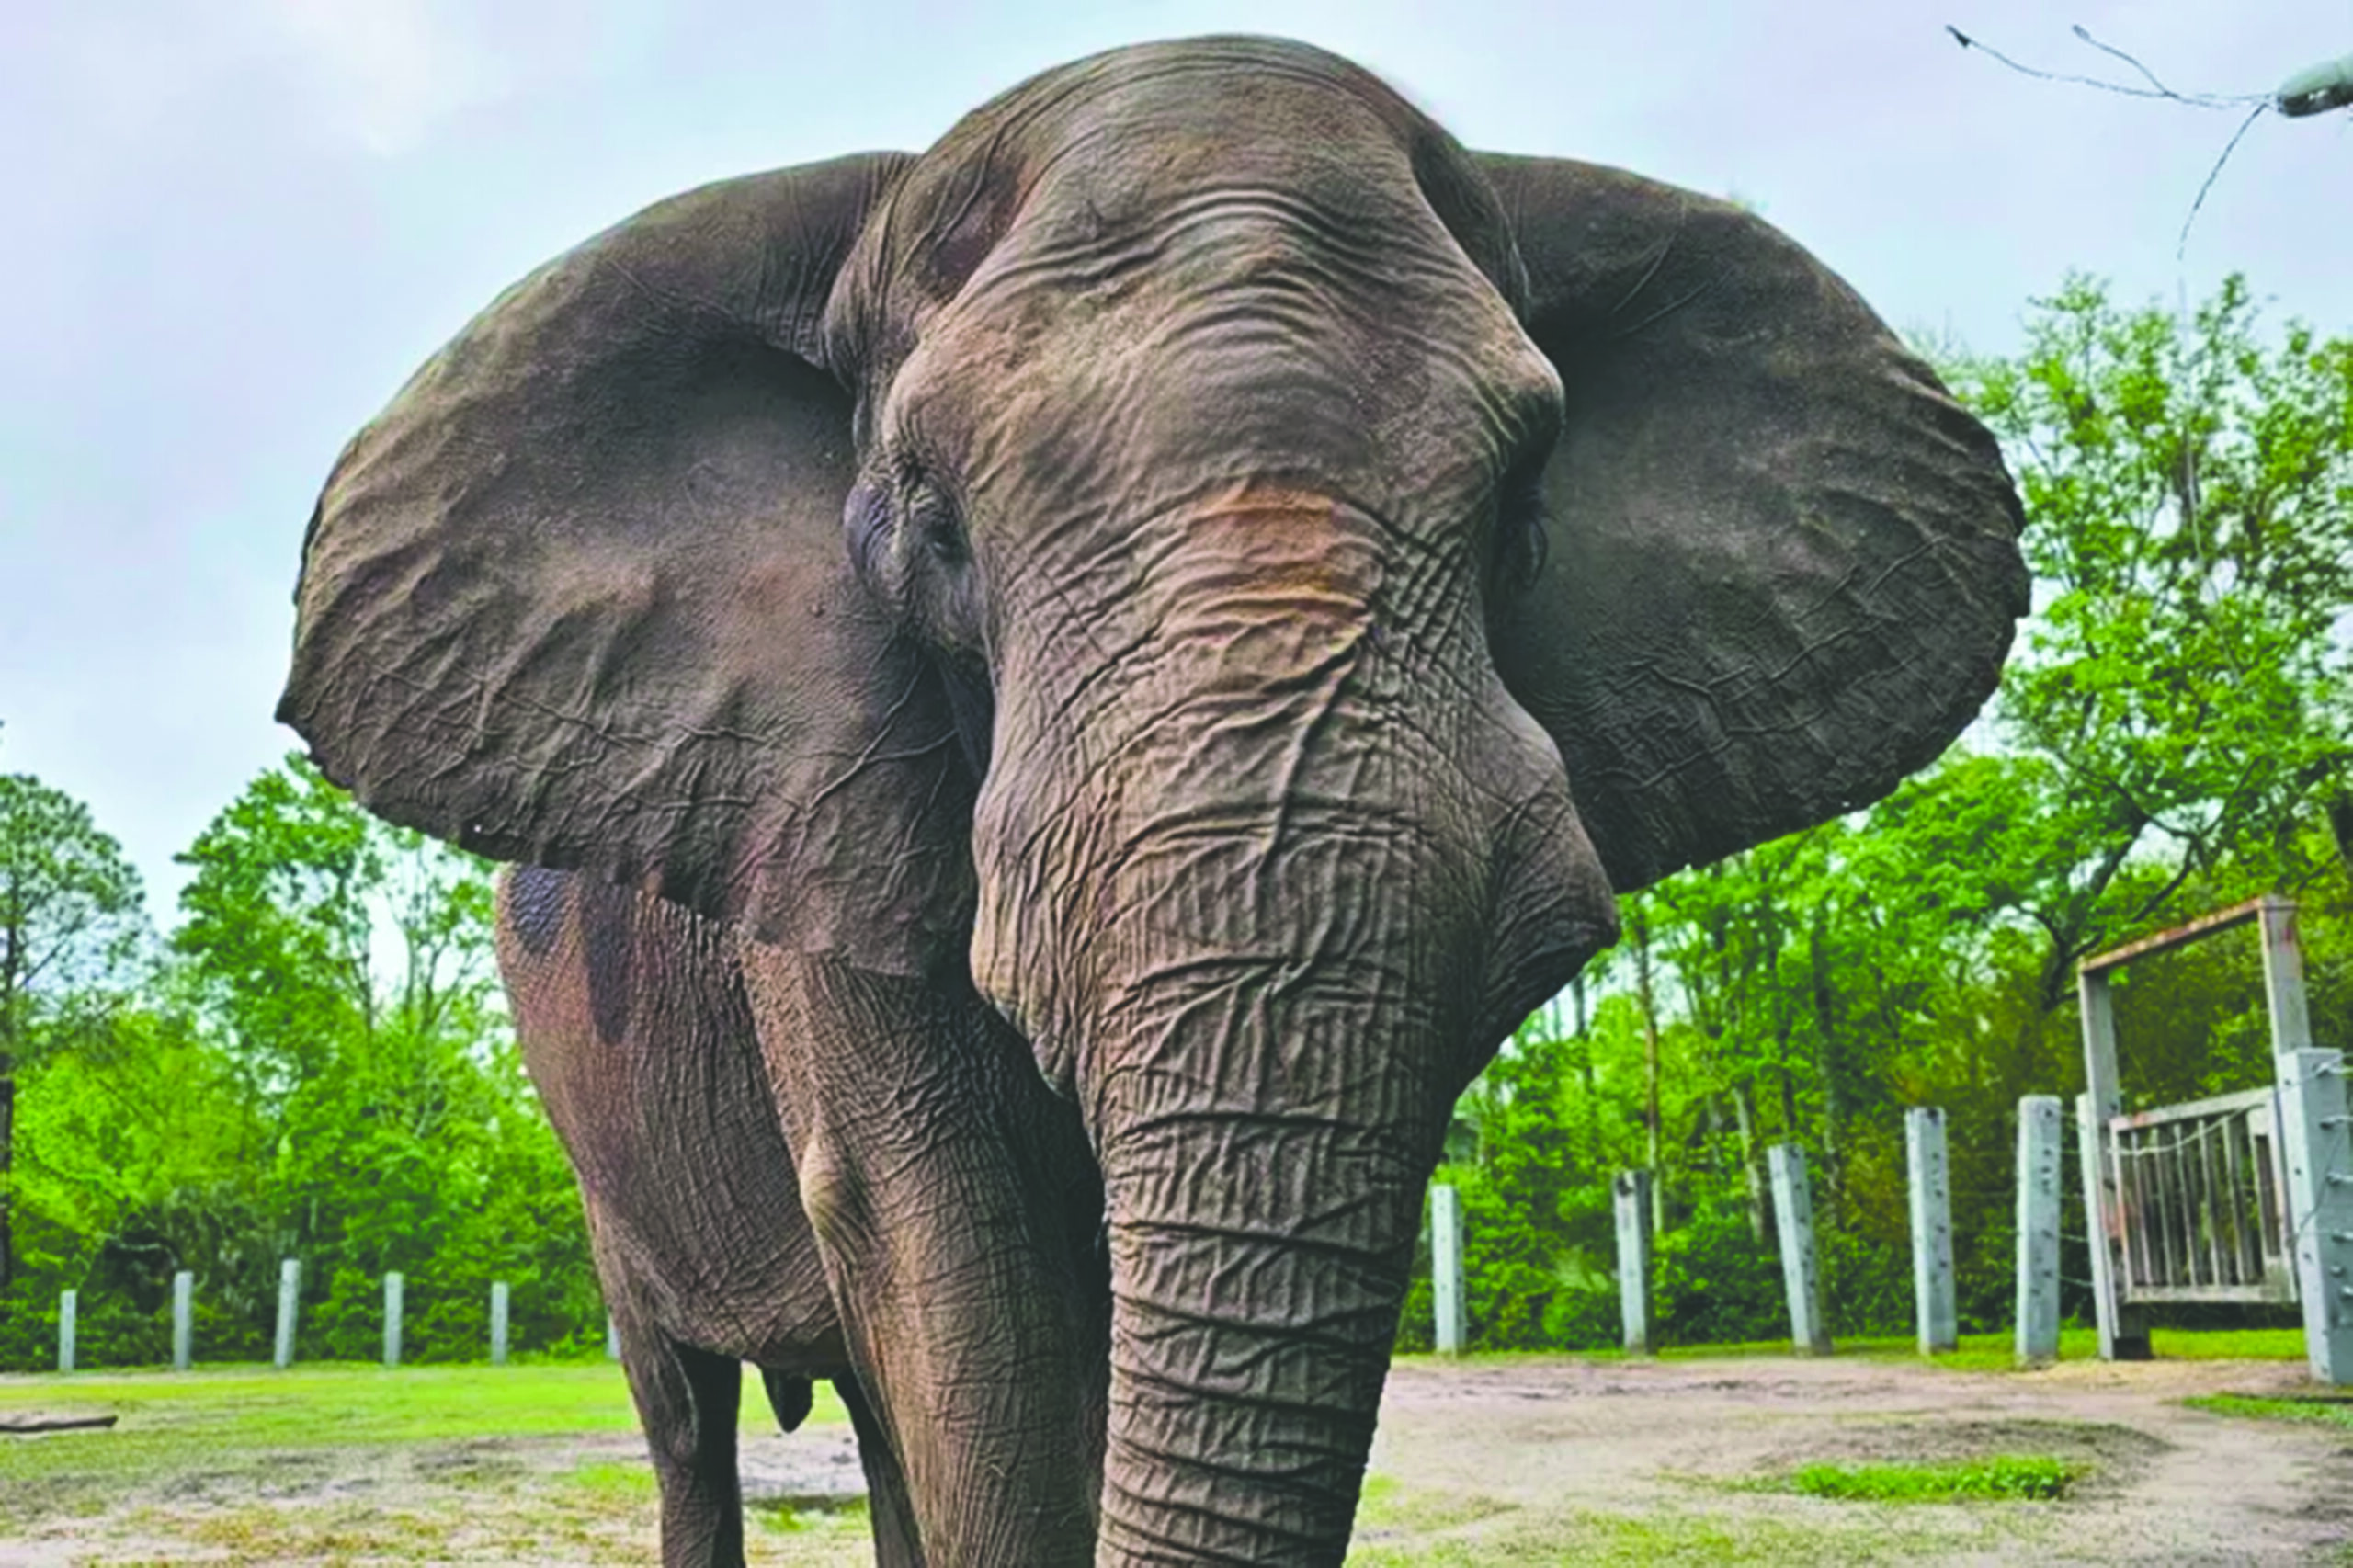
632, 1023
1198, 580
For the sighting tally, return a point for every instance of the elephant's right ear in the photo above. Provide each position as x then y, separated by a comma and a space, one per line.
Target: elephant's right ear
1784, 564
579, 596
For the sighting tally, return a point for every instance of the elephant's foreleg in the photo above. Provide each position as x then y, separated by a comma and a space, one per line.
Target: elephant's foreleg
897, 1543
953, 1206
687, 1401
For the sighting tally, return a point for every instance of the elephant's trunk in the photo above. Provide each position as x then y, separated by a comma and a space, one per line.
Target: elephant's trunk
1268, 1080
1263, 895
1258, 1257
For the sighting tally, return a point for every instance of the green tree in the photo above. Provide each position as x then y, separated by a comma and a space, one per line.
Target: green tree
347, 966
2179, 701
70, 923
139, 1155
277, 925
309, 923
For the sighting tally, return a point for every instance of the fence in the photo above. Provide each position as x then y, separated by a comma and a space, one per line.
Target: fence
2190, 1234
2244, 1198
286, 1337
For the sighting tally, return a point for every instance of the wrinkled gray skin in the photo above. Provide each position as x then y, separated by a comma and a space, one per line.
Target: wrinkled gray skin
1094, 573
632, 1022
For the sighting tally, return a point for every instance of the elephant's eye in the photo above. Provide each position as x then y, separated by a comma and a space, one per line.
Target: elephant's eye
865, 514
937, 525
1522, 542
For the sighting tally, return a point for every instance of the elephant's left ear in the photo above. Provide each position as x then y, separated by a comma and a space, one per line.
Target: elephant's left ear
1784, 566
578, 598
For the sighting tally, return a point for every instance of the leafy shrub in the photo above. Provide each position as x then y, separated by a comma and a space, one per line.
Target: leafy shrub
1712, 1282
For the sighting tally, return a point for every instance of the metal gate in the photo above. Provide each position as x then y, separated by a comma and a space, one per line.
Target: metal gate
2201, 1189
2241, 1198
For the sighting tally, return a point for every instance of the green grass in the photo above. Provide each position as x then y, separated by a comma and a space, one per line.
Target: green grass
232, 1422
342, 1403
327, 1461
241, 1422
832, 1518
1390, 1509
1977, 1352
613, 1479
2328, 1409
2001, 1478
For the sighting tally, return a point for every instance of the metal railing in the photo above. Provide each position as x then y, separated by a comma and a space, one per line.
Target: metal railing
2200, 1185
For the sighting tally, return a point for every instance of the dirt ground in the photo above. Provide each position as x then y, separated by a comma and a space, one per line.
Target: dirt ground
1511, 1461
2169, 1484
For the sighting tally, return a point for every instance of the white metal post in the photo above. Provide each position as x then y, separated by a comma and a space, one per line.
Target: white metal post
2037, 1226
66, 1300
183, 1320
1936, 1309
2283, 977
2320, 1201
1793, 1212
1446, 1266
612, 1337
2319, 1152
2123, 1330
498, 1324
1630, 1196
395, 1301
289, 1297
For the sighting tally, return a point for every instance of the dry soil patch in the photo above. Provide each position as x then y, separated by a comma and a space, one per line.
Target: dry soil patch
2170, 1483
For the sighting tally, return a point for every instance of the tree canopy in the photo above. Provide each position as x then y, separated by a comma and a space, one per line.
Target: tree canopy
70, 921
316, 1066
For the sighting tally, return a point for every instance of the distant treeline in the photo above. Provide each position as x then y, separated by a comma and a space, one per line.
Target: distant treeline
312, 1062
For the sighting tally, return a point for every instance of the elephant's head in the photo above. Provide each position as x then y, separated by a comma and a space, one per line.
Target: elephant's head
1250, 574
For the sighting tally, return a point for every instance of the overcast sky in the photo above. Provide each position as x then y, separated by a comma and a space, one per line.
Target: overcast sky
228, 240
